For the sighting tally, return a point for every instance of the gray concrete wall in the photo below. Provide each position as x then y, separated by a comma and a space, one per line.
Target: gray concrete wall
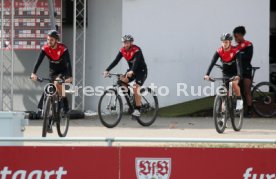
103, 42
179, 37
26, 92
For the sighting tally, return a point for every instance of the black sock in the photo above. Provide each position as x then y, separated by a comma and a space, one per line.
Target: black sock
239, 97
138, 108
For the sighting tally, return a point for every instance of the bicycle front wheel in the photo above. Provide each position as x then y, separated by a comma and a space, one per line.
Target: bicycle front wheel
110, 108
46, 116
220, 113
264, 99
236, 115
63, 120
149, 108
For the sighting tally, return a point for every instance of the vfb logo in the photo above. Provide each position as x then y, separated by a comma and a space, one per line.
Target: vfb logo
153, 168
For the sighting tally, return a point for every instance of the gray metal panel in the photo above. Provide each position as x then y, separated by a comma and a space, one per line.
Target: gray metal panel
1, 59
7, 57
79, 52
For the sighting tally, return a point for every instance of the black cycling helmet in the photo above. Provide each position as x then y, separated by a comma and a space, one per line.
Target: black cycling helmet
127, 38
226, 36
54, 34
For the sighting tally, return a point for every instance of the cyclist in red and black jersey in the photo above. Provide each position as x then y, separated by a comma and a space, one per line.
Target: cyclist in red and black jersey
230, 58
246, 49
137, 68
59, 62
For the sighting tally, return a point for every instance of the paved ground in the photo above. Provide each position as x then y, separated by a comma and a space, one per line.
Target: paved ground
254, 128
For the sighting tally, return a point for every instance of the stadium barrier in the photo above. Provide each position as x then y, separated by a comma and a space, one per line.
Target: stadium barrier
136, 162
110, 140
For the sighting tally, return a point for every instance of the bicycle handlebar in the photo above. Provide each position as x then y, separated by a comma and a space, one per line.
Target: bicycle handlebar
48, 79
221, 79
114, 74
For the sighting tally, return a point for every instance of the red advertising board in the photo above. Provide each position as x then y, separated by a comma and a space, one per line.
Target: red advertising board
199, 163
136, 162
58, 163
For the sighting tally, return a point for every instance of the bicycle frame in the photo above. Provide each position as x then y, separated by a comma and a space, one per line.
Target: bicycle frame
117, 87
110, 114
254, 69
54, 104
54, 98
51, 110
229, 90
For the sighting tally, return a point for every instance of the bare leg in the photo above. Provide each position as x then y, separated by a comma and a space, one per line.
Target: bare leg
62, 94
236, 88
126, 81
136, 90
59, 89
237, 91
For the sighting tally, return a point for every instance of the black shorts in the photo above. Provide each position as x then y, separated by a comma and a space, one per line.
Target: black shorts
54, 75
229, 75
140, 76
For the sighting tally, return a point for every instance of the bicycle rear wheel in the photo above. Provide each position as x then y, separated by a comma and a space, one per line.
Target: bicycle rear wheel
110, 108
220, 113
264, 99
236, 115
46, 116
149, 108
63, 120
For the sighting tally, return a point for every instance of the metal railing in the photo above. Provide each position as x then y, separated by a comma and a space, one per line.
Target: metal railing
111, 140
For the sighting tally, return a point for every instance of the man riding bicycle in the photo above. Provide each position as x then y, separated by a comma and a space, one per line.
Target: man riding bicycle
246, 49
230, 58
59, 63
137, 68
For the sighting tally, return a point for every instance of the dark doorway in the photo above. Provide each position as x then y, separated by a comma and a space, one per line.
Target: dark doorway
272, 47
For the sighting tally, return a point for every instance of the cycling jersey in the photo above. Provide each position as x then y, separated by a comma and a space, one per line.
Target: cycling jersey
134, 58
246, 49
230, 62
59, 60
129, 54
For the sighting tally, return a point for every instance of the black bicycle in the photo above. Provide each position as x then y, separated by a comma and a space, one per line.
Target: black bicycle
111, 108
53, 111
225, 106
263, 97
